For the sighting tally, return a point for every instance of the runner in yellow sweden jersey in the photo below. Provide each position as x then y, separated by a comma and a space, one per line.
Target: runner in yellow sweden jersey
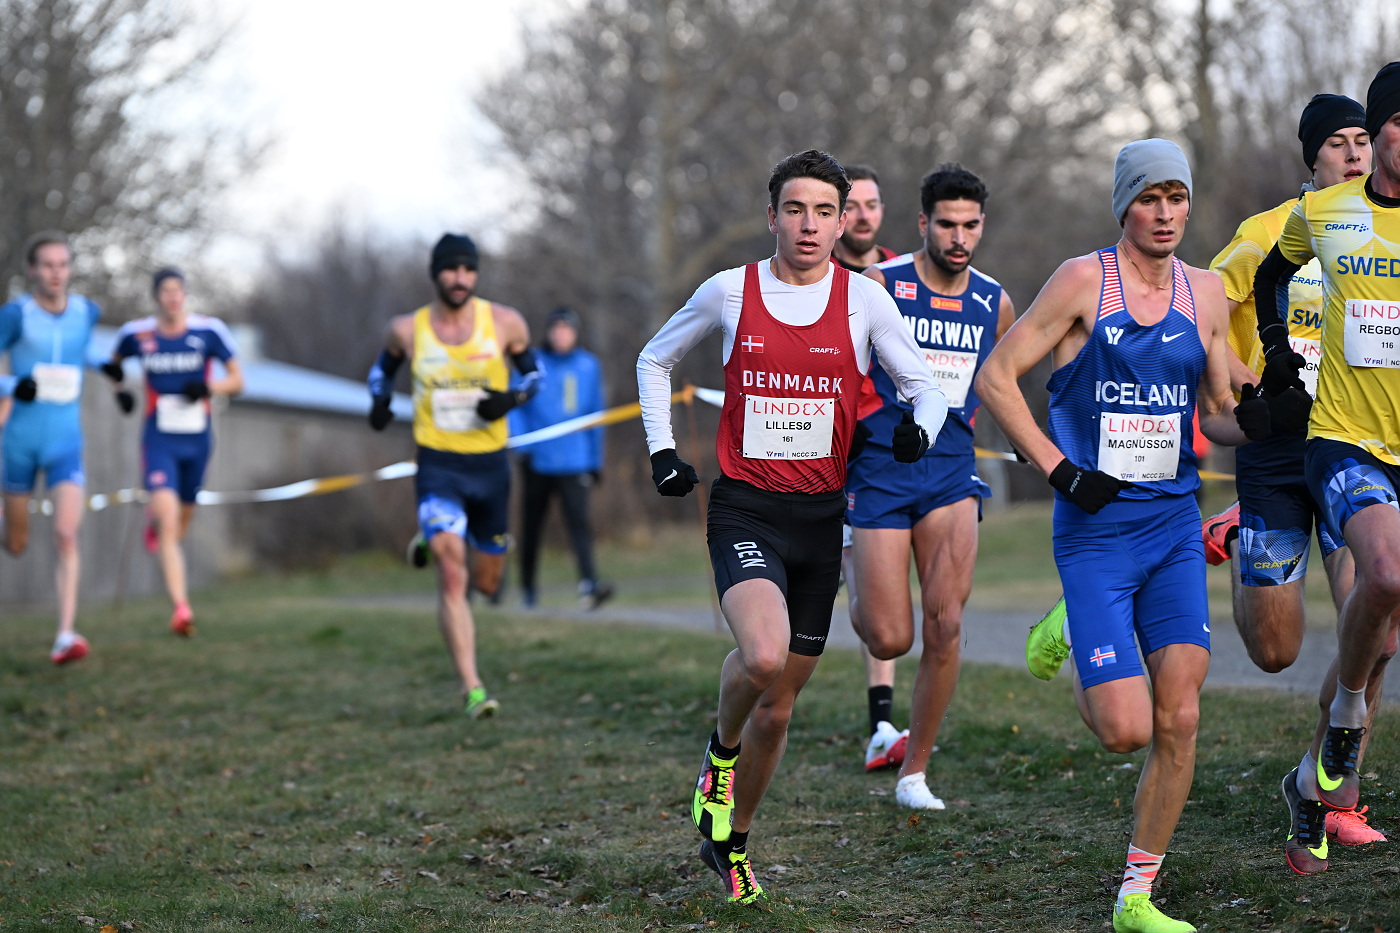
1352, 461
458, 348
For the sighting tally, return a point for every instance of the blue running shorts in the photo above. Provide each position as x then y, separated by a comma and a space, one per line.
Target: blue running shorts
1277, 513
1134, 577
26, 454
1345, 479
884, 493
467, 495
176, 462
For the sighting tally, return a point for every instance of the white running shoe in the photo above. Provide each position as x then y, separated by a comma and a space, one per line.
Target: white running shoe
886, 748
912, 792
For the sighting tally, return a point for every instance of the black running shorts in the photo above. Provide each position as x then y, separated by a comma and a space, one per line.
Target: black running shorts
791, 538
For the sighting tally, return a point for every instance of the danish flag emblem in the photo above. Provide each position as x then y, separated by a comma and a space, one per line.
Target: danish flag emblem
752, 344
907, 291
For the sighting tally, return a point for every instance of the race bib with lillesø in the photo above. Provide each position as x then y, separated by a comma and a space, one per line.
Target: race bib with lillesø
1372, 333
1139, 448
788, 428
953, 371
176, 414
1311, 351
455, 409
56, 383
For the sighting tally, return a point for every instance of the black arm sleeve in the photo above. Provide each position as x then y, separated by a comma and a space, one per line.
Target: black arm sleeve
1271, 301
524, 361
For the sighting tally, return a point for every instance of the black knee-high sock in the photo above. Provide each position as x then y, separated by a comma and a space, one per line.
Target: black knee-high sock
881, 706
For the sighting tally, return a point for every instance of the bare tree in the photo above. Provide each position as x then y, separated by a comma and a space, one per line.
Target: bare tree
88, 89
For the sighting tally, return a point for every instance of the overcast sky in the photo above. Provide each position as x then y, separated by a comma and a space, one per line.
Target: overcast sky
370, 111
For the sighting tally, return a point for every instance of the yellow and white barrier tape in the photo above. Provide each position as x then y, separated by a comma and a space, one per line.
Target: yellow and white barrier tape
327, 484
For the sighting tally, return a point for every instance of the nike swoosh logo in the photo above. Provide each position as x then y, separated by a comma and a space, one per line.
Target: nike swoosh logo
669, 478
1325, 782
1169, 339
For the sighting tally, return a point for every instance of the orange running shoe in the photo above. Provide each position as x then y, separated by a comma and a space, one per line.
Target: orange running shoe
1216, 532
1349, 828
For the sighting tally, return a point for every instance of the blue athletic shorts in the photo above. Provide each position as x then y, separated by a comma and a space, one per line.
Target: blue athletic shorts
60, 457
1345, 479
176, 462
1134, 577
881, 492
467, 495
1277, 513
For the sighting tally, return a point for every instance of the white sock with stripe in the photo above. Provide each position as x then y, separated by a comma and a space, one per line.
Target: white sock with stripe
1141, 872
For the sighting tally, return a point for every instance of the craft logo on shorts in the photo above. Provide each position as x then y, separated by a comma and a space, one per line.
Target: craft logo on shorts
939, 303
907, 291
156, 478
752, 344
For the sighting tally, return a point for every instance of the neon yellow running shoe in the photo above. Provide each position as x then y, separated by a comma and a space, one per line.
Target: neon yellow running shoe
1137, 915
712, 806
737, 874
1045, 645
479, 705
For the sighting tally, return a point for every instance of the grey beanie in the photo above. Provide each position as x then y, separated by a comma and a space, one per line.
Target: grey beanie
1143, 164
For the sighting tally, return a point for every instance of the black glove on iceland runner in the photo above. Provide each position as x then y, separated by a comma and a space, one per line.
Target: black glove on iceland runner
1289, 411
672, 475
858, 438
910, 440
1091, 490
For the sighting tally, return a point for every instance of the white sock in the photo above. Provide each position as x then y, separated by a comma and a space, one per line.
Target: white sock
63, 640
1064, 632
1348, 708
1141, 871
1306, 781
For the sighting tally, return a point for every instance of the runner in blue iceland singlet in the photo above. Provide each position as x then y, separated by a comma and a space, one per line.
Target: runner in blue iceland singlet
1124, 404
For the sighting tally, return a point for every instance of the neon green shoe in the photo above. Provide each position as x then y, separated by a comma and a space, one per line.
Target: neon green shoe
1137, 915
712, 805
737, 874
479, 705
1045, 645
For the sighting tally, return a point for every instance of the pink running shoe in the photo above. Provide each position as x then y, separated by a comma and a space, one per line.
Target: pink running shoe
75, 649
150, 538
182, 620
1216, 534
1349, 828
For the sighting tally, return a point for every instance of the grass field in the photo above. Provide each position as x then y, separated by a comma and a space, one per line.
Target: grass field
303, 764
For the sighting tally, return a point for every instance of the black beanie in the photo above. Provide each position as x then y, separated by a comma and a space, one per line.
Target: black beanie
563, 315
454, 249
1383, 98
1324, 115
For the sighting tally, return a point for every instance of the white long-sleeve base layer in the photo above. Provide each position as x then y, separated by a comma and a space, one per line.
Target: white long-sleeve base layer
874, 318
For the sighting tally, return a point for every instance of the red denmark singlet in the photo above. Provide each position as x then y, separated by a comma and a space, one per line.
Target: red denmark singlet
790, 396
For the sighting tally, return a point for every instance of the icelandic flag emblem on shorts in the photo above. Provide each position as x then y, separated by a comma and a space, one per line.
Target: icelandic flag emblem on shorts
906, 290
1104, 655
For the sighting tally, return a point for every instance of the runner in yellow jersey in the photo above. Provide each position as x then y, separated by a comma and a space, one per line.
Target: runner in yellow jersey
458, 348
1352, 461
1275, 514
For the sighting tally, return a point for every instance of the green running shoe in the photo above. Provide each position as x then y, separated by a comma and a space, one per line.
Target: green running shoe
712, 806
1045, 645
738, 874
1337, 782
1137, 915
479, 705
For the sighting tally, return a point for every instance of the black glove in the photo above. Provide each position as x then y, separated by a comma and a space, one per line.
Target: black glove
379, 413
910, 440
195, 390
126, 401
496, 404
1091, 490
26, 389
672, 475
113, 371
1252, 414
1289, 412
858, 438
1281, 372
